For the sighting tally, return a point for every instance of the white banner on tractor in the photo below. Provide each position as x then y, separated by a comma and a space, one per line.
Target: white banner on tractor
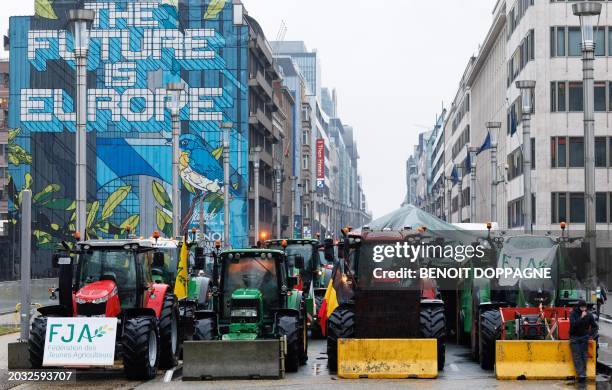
523, 258
80, 341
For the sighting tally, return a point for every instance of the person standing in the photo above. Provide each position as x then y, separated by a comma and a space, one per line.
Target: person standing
582, 328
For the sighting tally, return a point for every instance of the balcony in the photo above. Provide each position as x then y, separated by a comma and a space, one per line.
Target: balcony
260, 119
260, 84
261, 48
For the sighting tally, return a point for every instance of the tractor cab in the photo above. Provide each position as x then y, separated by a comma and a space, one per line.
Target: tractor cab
111, 276
307, 251
254, 286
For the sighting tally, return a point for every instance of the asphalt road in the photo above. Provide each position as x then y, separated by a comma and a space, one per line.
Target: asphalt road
460, 373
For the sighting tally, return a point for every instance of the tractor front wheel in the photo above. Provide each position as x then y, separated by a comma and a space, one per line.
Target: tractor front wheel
433, 326
490, 331
168, 332
36, 342
289, 326
340, 325
140, 352
205, 329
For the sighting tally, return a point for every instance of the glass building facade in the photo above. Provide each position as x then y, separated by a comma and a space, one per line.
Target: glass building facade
136, 48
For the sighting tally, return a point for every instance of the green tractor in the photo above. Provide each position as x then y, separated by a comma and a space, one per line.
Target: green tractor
312, 279
483, 302
257, 322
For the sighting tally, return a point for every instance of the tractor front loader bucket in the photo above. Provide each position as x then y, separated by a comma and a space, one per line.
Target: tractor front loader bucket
228, 359
387, 358
538, 359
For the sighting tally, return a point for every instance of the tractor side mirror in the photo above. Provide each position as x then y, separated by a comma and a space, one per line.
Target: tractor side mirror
328, 251
199, 258
299, 262
158, 260
292, 281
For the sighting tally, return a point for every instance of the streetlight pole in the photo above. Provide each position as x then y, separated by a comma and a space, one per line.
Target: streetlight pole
472, 150
449, 209
278, 180
81, 19
589, 12
255, 152
226, 127
460, 194
175, 91
526, 87
293, 180
493, 128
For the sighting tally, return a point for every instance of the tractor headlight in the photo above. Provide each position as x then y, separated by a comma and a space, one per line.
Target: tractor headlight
244, 313
100, 300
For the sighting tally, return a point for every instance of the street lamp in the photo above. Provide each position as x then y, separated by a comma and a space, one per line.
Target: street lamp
472, 150
81, 20
589, 12
226, 128
255, 156
526, 87
175, 91
493, 129
460, 194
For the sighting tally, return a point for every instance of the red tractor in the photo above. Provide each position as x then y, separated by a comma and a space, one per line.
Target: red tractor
113, 279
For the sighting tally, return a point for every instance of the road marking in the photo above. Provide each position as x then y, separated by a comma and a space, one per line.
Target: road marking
168, 375
454, 367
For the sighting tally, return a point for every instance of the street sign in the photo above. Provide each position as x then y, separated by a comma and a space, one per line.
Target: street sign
80, 341
320, 162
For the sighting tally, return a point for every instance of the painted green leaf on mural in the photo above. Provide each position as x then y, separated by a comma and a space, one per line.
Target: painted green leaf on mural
163, 220
189, 187
215, 206
131, 221
217, 153
92, 212
44, 9
13, 133
214, 8
42, 237
114, 200
18, 155
46, 194
59, 204
27, 181
213, 196
160, 194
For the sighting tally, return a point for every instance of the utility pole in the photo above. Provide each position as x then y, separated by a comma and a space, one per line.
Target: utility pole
81, 19
460, 195
26, 248
472, 150
526, 87
255, 156
449, 206
226, 127
278, 179
493, 128
293, 180
175, 91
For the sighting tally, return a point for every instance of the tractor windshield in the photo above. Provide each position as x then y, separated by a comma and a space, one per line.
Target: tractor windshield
116, 265
303, 250
252, 273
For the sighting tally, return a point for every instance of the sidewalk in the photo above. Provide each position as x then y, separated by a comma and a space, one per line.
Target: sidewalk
604, 356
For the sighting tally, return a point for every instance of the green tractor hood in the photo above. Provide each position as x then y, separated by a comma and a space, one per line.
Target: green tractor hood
246, 315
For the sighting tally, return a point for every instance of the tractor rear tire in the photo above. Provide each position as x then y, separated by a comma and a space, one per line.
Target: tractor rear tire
315, 327
490, 331
140, 348
340, 325
433, 326
289, 326
205, 329
36, 342
169, 341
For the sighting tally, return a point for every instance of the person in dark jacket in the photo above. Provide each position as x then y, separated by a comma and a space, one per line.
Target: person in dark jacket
582, 328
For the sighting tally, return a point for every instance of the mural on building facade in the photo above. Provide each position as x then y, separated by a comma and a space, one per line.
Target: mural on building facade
136, 48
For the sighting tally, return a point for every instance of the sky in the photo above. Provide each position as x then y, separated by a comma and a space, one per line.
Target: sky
394, 63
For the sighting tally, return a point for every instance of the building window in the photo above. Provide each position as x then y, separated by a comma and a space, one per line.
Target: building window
600, 96
558, 152
576, 152
574, 41
600, 207
575, 96
600, 41
600, 152
576, 205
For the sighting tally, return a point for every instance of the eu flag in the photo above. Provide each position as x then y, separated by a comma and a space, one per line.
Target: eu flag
454, 175
486, 144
